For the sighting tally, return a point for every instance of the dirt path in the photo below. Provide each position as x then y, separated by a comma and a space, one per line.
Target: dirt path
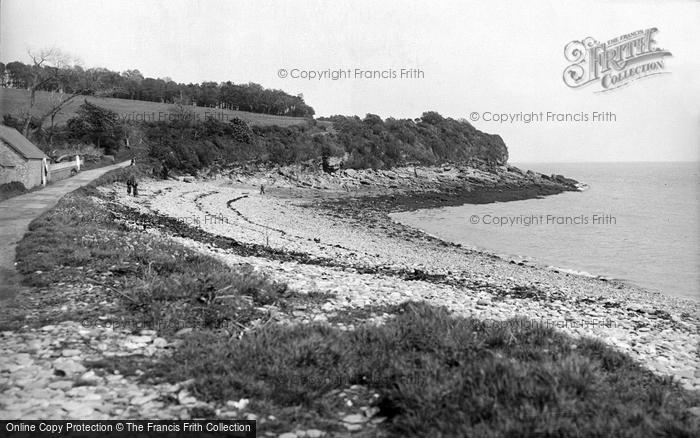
16, 214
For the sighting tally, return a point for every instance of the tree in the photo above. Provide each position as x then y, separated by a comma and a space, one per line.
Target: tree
49, 66
57, 101
133, 80
97, 125
432, 118
19, 74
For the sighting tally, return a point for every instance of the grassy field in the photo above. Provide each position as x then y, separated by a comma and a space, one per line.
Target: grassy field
13, 100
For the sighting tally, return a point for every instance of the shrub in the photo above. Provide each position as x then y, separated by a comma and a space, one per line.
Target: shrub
11, 189
443, 376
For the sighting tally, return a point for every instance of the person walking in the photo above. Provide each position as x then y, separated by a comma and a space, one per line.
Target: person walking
132, 186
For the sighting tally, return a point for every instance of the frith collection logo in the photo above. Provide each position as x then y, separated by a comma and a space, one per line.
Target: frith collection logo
615, 63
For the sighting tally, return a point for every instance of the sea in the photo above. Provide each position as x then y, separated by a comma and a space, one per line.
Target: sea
635, 222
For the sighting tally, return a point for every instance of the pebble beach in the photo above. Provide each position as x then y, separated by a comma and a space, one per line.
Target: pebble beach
368, 249
339, 239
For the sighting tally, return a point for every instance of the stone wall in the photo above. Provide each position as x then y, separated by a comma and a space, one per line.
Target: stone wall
16, 168
34, 168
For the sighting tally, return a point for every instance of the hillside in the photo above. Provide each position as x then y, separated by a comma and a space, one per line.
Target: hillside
359, 143
13, 100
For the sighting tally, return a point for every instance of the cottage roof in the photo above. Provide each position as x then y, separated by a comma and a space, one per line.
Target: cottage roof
20, 143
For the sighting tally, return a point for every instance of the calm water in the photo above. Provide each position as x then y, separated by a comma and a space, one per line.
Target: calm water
637, 222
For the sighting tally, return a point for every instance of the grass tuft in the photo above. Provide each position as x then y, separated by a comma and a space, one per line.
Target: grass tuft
442, 376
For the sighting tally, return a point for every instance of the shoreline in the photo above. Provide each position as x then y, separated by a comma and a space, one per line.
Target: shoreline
343, 268
527, 260
413, 201
376, 206
327, 241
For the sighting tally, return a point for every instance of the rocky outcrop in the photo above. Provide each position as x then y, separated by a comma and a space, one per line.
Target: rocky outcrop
477, 176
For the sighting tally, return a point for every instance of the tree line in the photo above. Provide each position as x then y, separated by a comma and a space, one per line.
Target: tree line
50, 71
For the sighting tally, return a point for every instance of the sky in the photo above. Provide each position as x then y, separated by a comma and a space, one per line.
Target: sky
476, 59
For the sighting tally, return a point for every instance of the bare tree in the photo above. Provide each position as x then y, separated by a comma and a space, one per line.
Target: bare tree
57, 100
48, 65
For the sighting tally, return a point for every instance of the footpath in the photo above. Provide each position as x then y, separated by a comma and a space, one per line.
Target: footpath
16, 214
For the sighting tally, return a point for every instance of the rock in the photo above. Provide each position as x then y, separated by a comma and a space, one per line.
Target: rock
315, 433
695, 411
160, 342
168, 387
91, 397
79, 411
686, 373
288, 435
183, 332
70, 353
371, 412
68, 367
355, 419
353, 427
185, 398
240, 404
61, 384
89, 378
186, 383
143, 399
140, 339
227, 415
33, 346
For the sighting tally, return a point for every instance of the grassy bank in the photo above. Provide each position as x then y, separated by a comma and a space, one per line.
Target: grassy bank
422, 373
438, 375
165, 284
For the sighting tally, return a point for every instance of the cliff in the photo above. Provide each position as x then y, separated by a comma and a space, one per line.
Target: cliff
431, 139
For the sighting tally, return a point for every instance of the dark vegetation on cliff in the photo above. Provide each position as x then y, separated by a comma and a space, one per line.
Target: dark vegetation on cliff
357, 143
188, 144
430, 139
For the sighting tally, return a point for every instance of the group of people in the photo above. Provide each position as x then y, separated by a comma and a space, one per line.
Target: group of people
132, 185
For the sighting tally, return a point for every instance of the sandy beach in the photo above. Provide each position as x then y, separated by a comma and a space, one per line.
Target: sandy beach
336, 242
